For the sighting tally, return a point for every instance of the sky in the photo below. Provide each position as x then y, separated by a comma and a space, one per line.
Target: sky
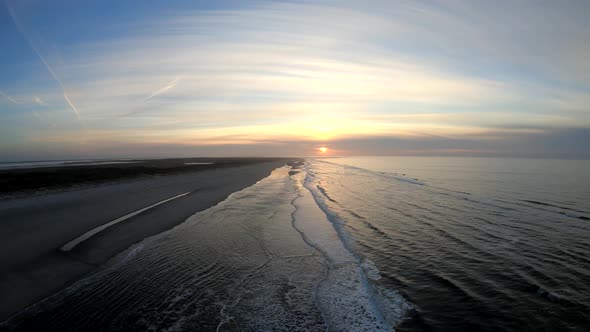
128, 79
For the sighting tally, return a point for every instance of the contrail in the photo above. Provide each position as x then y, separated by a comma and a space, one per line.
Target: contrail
164, 89
49, 69
71, 104
12, 100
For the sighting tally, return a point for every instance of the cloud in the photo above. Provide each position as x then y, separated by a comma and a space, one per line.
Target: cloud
548, 143
335, 72
39, 101
544, 144
317, 55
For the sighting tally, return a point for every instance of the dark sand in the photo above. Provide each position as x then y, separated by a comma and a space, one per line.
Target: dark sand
26, 181
34, 225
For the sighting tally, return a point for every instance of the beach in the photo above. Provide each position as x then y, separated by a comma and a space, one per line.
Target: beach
44, 215
265, 258
331, 244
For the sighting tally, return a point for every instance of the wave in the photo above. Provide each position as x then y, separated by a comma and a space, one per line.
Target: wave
395, 176
388, 304
323, 191
579, 214
554, 206
456, 254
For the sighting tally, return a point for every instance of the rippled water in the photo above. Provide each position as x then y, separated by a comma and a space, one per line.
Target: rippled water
358, 244
474, 244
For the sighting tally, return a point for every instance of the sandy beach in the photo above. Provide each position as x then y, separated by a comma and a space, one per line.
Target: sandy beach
39, 221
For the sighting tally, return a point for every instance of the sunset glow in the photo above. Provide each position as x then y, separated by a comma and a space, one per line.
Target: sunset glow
274, 78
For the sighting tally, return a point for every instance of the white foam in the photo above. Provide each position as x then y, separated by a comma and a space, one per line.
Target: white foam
344, 295
354, 289
318, 231
133, 252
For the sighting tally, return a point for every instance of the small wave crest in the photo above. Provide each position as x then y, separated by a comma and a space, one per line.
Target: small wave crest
323, 191
389, 175
386, 305
554, 206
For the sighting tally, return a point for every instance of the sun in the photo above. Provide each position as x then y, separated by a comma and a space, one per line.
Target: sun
323, 149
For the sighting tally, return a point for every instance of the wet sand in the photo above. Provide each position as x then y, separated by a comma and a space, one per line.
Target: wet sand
35, 225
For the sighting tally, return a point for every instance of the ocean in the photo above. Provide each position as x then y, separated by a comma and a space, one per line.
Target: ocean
476, 244
358, 244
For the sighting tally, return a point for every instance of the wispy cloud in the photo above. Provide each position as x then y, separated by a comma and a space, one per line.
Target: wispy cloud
336, 71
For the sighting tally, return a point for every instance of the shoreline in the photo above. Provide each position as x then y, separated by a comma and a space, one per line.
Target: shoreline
282, 259
35, 227
22, 182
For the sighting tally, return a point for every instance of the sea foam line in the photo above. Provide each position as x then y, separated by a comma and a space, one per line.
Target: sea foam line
387, 304
344, 295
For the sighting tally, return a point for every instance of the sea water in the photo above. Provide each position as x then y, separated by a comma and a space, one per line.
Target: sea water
354, 244
475, 244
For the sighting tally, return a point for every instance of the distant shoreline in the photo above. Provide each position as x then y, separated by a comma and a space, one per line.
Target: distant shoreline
68, 174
